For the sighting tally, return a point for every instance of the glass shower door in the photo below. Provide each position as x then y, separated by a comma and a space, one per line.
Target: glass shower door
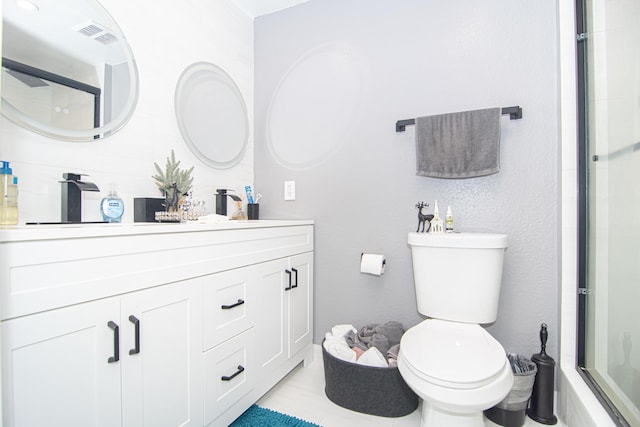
611, 289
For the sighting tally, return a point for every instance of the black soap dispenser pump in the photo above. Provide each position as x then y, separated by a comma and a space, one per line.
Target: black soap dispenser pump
541, 403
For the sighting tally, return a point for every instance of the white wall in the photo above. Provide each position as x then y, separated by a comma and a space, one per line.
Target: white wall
165, 36
356, 176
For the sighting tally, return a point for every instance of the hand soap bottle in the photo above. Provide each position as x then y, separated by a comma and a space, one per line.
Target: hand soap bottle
9, 206
112, 207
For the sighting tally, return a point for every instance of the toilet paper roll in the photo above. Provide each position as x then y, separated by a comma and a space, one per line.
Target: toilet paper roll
372, 264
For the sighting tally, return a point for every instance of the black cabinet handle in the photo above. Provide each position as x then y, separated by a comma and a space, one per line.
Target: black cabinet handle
227, 307
136, 323
235, 374
288, 274
116, 342
295, 270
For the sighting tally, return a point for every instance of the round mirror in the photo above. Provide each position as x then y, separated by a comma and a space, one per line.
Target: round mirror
212, 115
67, 69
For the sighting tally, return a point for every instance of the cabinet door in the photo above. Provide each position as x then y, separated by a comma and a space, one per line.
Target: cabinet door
300, 303
56, 369
271, 345
162, 376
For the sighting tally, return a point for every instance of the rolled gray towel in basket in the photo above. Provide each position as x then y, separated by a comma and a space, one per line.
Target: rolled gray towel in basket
352, 340
392, 330
392, 355
380, 342
365, 333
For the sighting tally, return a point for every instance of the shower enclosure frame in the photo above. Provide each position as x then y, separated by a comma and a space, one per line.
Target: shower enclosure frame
583, 290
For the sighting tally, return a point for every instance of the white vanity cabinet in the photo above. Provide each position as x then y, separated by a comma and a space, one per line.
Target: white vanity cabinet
55, 369
189, 311
286, 295
160, 329
230, 301
299, 305
263, 332
116, 361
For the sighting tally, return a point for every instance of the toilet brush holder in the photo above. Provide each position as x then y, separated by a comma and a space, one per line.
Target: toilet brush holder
541, 403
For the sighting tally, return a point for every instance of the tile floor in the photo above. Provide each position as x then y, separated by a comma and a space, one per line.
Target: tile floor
301, 394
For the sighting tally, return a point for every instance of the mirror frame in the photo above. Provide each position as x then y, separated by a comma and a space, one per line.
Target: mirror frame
188, 77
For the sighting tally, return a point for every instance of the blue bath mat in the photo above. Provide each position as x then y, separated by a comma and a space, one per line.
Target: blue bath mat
256, 416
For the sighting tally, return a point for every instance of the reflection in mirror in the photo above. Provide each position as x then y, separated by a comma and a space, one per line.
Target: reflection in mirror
68, 72
212, 115
52, 100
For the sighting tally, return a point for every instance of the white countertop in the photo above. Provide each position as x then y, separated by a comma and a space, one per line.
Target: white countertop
73, 231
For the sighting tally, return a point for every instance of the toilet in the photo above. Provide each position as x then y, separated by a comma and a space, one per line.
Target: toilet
449, 360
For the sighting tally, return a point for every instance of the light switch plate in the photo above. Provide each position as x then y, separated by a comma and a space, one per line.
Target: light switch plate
289, 190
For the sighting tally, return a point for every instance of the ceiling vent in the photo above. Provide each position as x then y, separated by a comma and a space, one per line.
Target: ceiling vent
97, 33
90, 30
106, 38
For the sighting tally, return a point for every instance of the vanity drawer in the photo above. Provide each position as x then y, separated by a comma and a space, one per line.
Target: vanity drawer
229, 374
229, 305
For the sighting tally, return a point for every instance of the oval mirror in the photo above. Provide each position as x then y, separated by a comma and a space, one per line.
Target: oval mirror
67, 69
212, 115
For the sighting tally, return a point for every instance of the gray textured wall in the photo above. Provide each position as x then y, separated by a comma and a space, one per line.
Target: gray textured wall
356, 176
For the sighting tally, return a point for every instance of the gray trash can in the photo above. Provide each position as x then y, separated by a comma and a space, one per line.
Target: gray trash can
511, 411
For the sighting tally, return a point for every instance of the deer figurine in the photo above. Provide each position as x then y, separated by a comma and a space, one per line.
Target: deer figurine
171, 202
424, 220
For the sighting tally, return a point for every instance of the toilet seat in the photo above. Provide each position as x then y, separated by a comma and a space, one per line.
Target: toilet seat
453, 354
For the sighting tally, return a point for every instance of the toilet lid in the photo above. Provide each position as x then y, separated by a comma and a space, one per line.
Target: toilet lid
457, 354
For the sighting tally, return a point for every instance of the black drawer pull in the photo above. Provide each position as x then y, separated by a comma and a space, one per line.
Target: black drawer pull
295, 270
136, 323
288, 274
235, 374
116, 342
227, 307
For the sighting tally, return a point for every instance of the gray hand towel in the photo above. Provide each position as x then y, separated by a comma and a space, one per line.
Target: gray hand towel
458, 145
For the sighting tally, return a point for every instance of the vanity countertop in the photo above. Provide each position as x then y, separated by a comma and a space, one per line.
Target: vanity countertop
73, 231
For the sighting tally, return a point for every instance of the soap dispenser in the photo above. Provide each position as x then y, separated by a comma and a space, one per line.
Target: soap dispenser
9, 206
112, 207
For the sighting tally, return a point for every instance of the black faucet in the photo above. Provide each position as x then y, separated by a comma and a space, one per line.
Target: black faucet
221, 200
72, 189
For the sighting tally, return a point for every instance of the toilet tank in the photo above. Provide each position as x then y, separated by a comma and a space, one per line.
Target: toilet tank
457, 276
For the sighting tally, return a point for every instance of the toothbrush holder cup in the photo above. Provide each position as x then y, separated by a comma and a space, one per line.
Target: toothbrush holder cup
253, 210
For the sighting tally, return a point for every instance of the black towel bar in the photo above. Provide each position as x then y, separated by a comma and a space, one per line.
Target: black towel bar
513, 112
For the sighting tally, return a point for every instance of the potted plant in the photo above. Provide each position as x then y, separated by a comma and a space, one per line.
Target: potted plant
174, 183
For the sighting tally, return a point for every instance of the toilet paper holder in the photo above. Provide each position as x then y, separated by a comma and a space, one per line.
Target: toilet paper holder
374, 264
384, 261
